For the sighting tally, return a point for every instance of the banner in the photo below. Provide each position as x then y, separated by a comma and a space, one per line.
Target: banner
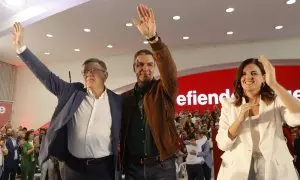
203, 91
5, 112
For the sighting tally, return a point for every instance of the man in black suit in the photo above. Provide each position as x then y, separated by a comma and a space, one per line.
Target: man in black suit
10, 160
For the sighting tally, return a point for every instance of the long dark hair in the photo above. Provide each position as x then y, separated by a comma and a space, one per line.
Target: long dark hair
267, 94
27, 134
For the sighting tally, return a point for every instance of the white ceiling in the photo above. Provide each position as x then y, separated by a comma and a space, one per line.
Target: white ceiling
205, 21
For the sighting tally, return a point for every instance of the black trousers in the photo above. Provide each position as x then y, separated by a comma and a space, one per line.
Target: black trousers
102, 170
165, 170
195, 171
207, 172
9, 173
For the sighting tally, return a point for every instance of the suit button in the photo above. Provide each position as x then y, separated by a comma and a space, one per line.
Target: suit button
143, 141
142, 129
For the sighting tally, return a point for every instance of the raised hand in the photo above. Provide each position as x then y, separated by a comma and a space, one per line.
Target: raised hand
18, 33
146, 25
270, 71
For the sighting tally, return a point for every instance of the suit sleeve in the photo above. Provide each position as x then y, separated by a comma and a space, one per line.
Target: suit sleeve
223, 141
53, 83
166, 67
292, 119
206, 149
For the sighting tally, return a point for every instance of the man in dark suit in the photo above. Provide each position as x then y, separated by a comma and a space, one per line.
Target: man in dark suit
84, 129
149, 137
11, 159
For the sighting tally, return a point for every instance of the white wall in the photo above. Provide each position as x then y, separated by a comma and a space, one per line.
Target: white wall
34, 105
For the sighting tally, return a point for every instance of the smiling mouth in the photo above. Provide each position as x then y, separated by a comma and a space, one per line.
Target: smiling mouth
248, 82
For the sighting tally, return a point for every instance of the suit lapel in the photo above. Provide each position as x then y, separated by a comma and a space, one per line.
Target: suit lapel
114, 113
246, 125
130, 104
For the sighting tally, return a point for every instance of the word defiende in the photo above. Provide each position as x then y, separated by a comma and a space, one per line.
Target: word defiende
191, 98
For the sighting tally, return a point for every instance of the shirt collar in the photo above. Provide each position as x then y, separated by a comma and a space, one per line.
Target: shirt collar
103, 95
144, 89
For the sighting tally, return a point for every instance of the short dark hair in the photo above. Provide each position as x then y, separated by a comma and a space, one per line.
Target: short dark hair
141, 52
267, 94
27, 134
92, 60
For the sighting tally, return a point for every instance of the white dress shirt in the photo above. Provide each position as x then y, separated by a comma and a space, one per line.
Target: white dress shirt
89, 134
14, 142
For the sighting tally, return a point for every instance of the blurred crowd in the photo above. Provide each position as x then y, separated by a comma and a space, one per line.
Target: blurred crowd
19, 154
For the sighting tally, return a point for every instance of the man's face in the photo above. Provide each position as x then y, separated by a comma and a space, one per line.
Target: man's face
144, 68
94, 75
9, 132
42, 132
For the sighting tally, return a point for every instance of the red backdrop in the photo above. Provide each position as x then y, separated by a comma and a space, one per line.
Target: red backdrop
194, 90
218, 81
5, 112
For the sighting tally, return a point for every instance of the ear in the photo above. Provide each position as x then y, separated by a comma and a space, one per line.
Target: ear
106, 75
133, 67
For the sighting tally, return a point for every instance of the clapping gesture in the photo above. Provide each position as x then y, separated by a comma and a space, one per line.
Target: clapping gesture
270, 71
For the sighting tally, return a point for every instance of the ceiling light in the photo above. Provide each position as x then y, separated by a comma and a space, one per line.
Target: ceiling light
77, 50
229, 33
15, 3
278, 27
185, 37
176, 18
146, 42
290, 2
109, 46
49, 35
229, 10
129, 24
86, 30
47, 53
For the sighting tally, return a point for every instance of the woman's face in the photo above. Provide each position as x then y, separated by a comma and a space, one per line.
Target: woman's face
252, 78
31, 136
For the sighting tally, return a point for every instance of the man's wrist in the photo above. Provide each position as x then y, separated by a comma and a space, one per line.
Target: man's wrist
152, 37
20, 49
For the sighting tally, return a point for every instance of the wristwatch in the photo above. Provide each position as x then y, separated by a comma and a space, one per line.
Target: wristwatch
153, 38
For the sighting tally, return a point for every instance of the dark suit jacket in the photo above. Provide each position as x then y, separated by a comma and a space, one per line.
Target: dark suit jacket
9, 160
70, 96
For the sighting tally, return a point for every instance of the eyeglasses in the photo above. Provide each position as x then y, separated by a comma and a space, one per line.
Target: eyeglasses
92, 70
